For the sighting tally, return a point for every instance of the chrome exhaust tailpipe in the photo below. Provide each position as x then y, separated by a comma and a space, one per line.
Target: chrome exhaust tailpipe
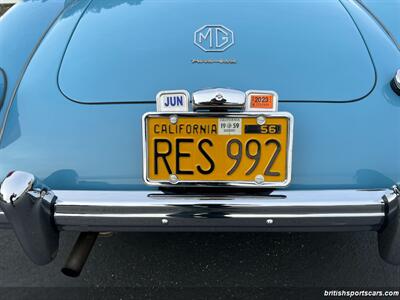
28, 206
79, 254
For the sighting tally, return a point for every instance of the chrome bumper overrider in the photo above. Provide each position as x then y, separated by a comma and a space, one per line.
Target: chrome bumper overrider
35, 211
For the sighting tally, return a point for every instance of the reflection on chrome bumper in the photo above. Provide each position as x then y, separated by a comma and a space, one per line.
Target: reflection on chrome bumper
3, 221
280, 210
37, 214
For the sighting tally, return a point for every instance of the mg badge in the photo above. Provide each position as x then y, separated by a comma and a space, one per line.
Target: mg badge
214, 38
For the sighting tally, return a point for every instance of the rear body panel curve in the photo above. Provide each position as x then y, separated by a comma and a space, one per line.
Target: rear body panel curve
98, 147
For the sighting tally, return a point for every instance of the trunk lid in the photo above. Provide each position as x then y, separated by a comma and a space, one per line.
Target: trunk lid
127, 51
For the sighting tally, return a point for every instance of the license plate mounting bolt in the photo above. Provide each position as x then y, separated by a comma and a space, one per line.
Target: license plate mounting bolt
259, 179
173, 178
173, 119
260, 120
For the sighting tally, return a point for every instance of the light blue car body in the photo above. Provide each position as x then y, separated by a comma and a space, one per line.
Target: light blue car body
80, 75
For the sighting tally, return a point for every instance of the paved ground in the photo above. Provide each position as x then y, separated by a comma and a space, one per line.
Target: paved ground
215, 263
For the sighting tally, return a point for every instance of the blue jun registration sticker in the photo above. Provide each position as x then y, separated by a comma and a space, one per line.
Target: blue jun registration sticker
173, 101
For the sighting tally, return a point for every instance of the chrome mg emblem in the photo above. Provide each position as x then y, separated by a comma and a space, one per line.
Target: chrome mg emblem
213, 38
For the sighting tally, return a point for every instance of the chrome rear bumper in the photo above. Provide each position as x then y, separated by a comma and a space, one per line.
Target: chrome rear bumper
37, 214
280, 210
313, 210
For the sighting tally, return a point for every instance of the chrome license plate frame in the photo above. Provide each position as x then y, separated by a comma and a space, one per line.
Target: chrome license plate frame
218, 183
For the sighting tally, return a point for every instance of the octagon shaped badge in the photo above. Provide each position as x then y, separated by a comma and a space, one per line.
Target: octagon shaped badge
214, 38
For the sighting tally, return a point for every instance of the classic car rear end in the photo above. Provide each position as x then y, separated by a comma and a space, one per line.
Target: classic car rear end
82, 117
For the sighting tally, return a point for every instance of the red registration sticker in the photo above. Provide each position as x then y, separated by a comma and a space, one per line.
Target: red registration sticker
262, 101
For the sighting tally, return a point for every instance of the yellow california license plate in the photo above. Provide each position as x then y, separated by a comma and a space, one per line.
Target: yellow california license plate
217, 148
